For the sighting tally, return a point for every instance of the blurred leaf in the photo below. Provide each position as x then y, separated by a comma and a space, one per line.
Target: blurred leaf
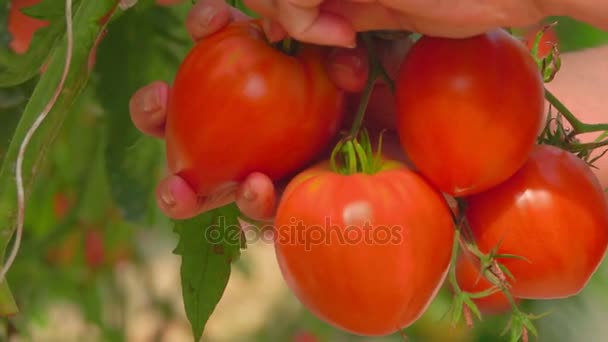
85, 35
208, 244
135, 52
16, 69
48, 9
574, 35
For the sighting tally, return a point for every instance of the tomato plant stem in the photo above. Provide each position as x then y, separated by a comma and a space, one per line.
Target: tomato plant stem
375, 71
577, 125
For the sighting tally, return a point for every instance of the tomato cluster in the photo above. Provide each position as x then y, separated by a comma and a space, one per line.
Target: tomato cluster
366, 242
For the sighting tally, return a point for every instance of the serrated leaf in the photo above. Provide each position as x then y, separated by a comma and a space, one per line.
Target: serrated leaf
131, 56
208, 245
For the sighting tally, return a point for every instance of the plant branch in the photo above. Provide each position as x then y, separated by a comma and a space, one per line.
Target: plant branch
578, 126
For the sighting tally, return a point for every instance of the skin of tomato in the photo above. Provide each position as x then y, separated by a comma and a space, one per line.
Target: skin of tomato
553, 213
22, 27
366, 253
470, 280
238, 106
469, 110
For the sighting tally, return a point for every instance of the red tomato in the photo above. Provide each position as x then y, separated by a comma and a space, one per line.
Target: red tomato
61, 205
553, 213
239, 105
470, 280
94, 248
469, 110
21, 26
364, 252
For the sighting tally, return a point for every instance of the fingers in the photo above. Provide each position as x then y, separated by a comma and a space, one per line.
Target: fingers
256, 197
148, 108
303, 21
179, 201
208, 16
348, 69
176, 198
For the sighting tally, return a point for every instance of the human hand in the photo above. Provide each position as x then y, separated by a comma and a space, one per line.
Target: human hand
256, 196
335, 22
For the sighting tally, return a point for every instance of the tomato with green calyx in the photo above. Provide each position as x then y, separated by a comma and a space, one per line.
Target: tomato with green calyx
22, 27
553, 215
470, 279
469, 110
238, 105
365, 251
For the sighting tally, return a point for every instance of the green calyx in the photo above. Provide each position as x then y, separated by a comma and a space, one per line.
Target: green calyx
354, 153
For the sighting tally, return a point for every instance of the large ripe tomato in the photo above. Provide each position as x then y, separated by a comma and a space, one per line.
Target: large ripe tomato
21, 26
553, 213
364, 252
471, 280
239, 105
469, 110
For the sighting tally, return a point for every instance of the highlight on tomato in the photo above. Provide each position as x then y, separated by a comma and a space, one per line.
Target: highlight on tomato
469, 110
366, 251
240, 105
553, 215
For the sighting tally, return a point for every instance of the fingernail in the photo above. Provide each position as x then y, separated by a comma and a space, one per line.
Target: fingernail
151, 101
206, 15
167, 197
249, 195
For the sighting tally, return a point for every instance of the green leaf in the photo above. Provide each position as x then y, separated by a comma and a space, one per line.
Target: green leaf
47, 9
137, 50
575, 35
85, 35
208, 244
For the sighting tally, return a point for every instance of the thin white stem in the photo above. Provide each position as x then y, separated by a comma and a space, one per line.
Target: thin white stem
26, 140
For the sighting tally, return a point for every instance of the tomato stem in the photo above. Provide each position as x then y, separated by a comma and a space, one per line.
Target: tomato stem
578, 126
355, 150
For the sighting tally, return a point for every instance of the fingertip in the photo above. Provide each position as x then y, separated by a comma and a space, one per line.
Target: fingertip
348, 69
327, 29
207, 17
148, 108
176, 199
274, 31
256, 197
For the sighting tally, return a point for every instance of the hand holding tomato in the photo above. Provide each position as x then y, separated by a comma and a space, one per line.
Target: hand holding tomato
255, 196
335, 22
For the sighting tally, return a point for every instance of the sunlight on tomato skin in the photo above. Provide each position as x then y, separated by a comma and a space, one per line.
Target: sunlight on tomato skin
370, 278
469, 110
552, 212
21, 26
470, 280
238, 105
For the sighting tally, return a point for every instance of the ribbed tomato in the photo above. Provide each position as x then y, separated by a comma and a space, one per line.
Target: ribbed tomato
553, 213
469, 110
238, 105
364, 252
